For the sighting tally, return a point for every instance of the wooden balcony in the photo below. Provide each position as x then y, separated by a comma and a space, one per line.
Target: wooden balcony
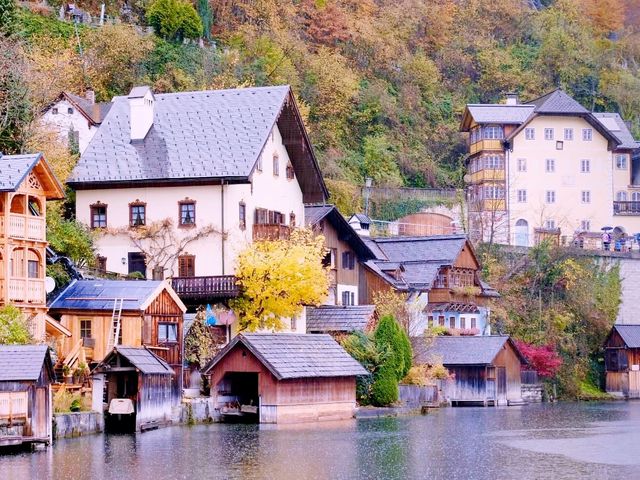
486, 175
626, 208
197, 288
27, 290
270, 232
492, 144
25, 227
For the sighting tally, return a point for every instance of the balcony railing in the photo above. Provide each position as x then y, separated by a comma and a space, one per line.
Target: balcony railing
218, 286
487, 144
270, 232
626, 208
26, 226
27, 290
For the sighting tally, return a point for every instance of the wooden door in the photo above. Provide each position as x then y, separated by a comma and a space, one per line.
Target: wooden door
41, 413
137, 263
634, 384
502, 385
187, 266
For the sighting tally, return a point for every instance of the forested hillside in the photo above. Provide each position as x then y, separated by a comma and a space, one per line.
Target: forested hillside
382, 84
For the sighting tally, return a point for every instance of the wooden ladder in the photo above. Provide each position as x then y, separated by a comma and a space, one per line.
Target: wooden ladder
116, 317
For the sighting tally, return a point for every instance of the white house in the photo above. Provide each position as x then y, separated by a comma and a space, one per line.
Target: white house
207, 171
75, 117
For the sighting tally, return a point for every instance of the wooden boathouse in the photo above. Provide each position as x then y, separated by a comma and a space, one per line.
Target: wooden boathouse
622, 361
26, 373
138, 388
485, 369
284, 378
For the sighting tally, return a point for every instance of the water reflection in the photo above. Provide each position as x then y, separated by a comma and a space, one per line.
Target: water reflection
559, 441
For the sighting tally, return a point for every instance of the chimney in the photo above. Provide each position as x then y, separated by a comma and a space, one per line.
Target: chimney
91, 96
141, 103
512, 98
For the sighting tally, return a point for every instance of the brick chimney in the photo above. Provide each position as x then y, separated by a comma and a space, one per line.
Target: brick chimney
141, 104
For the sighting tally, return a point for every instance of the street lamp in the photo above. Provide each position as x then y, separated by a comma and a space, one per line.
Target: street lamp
367, 193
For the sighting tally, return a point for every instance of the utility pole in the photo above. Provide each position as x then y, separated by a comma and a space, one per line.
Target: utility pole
367, 193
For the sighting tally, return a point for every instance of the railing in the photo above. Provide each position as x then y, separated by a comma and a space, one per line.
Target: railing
218, 286
74, 354
401, 193
626, 208
487, 144
14, 405
486, 175
25, 226
270, 232
27, 290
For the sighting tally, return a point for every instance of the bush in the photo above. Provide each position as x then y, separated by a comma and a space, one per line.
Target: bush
390, 336
384, 390
64, 402
174, 20
13, 326
363, 348
418, 375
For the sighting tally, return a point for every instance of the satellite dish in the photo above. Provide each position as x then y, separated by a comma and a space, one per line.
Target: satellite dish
49, 284
467, 178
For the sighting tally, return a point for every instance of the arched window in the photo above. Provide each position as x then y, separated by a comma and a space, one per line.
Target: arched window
34, 266
18, 204
635, 197
621, 196
522, 233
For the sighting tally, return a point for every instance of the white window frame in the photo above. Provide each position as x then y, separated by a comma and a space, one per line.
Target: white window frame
522, 196
585, 225
568, 134
550, 196
550, 224
585, 196
548, 133
621, 161
585, 165
550, 165
530, 133
621, 196
587, 134
522, 164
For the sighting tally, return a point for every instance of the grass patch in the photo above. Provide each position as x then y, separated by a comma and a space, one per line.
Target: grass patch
589, 392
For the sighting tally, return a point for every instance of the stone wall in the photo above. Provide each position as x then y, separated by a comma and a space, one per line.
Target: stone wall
75, 424
197, 410
531, 393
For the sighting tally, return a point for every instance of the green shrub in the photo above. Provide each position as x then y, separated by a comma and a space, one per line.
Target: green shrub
362, 347
389, 336
384, 390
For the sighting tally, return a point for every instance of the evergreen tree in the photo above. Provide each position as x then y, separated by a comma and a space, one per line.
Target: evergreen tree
206, 16
200, 345
7, 16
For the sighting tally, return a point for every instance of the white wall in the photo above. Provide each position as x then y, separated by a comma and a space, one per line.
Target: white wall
63, 121
265, 191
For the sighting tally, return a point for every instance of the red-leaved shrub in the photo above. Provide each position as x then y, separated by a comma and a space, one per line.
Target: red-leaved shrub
542, 358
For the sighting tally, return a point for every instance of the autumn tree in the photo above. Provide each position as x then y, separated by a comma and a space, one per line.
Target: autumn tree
7, 16
174, 20
200, 344
16, 112
278, 278
14, 329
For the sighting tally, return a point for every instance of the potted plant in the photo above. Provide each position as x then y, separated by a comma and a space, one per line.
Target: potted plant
66, 372
82, 371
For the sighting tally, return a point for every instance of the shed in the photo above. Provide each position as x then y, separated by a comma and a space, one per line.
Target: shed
340, 319
139, 375
151, 315
622, 361
485, 369
26, 373
284, 378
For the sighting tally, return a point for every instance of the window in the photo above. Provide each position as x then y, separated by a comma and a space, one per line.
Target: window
294, 323
621, 196
550, 165
493, 192
493, 161
292, 219
621, 162
463, 322
635, 197
348, 261
137, 214
329, 259
548, 133
551, 196
430, 321
33, 269
187, 266
568, 134
441, 320
54, 111
187, 213
492, 132
242, 215
559, 144
522, 196
587, 134
530, 133
276, 165
586, 196
550, 224
85, 328
585, 166
473, 322
98, 215
290, 172
522, 164
167, 332
452, 322
70, 110
102, 263
259, 164
585, 225
348, 298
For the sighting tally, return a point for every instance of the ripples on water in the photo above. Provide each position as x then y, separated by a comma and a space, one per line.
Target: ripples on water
561, 441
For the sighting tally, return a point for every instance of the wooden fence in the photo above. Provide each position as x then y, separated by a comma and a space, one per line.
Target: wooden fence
14, 405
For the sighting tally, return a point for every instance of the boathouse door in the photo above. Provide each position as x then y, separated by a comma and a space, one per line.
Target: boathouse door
634, 383
502, 385
41, 413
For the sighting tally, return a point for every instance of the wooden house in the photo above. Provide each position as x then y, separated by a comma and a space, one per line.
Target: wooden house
622, 361
440, 276
338, 319
26, 183
345, 252
101, 314
138, 388
284, 378
26, 373
485, 369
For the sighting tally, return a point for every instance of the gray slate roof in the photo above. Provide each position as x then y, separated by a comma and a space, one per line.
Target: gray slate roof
100, 294
499, 113
22, 362
444, 248
337, 318
462, 350
630, 334
14, 169
616, 125
206, 134
314, 213
95, 112
558, 102
143, 360
289, 355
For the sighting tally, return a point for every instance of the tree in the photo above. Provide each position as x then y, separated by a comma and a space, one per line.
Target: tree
7, 16
278, 278
362, 347
174, 20
543, 358
389, 335
200, 344
13, 327
16, 112
206, 17
69, 238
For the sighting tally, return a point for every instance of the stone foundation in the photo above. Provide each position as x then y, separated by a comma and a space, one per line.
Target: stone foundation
76, 424
532, 393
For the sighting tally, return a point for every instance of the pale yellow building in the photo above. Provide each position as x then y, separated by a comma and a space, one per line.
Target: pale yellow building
549, 168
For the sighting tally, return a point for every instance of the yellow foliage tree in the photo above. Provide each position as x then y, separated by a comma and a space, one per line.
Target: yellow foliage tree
278, 278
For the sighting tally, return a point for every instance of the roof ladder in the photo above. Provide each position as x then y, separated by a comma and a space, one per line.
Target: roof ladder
116, 317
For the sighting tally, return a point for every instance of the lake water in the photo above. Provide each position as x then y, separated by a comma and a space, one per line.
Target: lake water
558, 441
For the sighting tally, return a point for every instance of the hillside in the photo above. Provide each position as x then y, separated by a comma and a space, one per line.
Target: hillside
381, 84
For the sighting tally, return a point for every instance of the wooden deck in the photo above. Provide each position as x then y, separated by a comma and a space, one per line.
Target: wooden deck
14, 440
197, 288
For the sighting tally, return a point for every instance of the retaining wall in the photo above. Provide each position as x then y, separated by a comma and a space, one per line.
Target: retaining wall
76, 424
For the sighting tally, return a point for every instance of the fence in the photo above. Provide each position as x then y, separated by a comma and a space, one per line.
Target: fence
529, 377
401, 193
